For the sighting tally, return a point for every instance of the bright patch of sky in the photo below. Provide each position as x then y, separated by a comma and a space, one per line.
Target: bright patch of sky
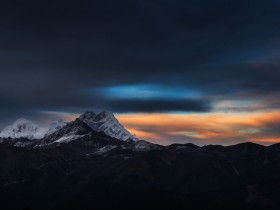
148, 92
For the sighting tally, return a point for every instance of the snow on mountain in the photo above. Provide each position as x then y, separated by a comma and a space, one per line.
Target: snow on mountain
28, 129
105, 149
106, 122
23, 128
102, 122
72, 131
55, 126
67, 139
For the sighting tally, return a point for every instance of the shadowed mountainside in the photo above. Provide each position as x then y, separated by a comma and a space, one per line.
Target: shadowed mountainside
78, 168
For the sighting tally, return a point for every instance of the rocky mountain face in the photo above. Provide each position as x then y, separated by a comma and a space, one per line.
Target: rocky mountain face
77, 167
106, 122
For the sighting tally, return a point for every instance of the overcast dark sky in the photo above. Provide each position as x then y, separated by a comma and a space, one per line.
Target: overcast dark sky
139, 56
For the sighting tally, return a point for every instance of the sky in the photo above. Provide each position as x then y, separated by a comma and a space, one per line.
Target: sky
205, 72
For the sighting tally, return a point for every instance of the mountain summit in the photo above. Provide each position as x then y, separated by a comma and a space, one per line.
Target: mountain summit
23, 128
102, 122
106, 122
28, 129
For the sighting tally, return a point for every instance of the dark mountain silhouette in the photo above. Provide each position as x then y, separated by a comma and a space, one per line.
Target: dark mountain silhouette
79, 168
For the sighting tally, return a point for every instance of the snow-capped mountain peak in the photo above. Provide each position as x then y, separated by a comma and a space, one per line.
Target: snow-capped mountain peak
23, 128
106, 122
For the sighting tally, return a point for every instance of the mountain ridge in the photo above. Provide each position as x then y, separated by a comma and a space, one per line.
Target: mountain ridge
77, 167
95, 164
104, 121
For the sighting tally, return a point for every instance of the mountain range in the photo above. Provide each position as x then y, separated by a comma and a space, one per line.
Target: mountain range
81, 166
102, 122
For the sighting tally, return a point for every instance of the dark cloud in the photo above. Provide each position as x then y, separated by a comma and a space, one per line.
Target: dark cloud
52, 51
157, 105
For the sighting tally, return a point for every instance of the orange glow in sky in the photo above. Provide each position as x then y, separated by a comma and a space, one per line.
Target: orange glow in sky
220, 128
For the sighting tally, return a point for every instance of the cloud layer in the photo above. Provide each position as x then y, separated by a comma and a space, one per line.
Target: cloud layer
143, 56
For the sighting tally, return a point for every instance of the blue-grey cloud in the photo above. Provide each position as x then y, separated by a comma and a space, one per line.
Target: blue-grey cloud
52, 52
